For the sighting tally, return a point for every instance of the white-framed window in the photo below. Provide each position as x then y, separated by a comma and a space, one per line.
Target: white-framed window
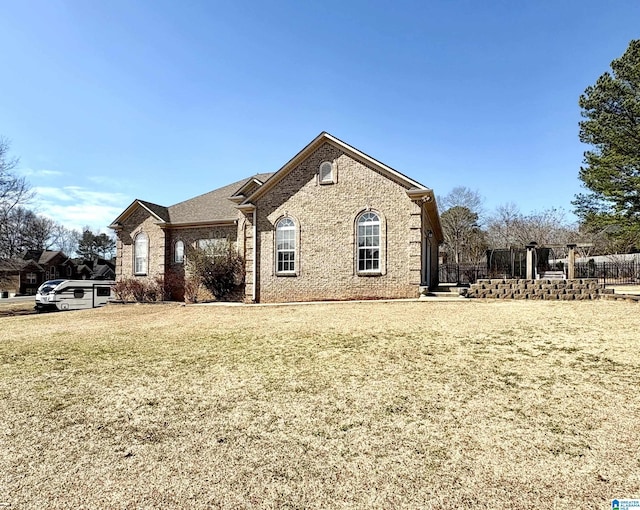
286, 246
368, 242
178, 252
326, 173
32, 278
141, 254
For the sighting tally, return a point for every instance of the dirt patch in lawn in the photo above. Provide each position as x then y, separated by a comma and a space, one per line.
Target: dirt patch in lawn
366, 405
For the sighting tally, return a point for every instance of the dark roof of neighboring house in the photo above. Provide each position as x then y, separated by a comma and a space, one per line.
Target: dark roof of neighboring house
102, 271
18, 265
42, 256
83, 268
47, 256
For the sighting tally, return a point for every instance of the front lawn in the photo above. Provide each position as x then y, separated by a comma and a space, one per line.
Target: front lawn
477, 404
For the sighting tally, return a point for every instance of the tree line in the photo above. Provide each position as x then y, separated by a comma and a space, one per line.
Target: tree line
469, 231
22, 229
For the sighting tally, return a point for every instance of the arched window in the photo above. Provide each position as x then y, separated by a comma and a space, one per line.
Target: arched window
141, 253
368, 232
286, 246
178, 252
326, 173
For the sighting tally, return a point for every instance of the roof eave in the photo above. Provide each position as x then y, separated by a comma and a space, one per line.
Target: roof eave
246, 207
206, 223
348, 149
251, 180
427, 199
117, 223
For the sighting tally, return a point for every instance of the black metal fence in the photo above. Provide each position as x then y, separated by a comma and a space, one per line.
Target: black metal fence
462, 273
626, 272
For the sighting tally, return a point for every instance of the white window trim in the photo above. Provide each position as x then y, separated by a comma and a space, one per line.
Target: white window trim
175, 252
334, 173
145, 270
382, 242
296, 252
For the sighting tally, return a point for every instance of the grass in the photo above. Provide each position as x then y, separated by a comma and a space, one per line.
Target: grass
364, 405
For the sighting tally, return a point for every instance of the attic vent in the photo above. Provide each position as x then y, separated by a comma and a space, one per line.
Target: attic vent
326, 173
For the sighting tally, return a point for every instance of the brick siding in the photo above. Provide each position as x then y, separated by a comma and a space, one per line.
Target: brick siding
140, 221
325, 217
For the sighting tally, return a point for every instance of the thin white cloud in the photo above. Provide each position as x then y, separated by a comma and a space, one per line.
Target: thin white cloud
112, 183
76, 207
41, 173
57, 194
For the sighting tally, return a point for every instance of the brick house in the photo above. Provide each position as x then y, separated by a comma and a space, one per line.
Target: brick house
332, 223
23, 276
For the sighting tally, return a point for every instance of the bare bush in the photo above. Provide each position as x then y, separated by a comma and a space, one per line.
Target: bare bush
221, 271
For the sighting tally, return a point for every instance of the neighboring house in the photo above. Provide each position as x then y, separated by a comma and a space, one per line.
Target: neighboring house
26, 274
332, 223
99, 269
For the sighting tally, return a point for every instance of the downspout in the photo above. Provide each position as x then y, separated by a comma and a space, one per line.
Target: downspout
255, 257
428, 261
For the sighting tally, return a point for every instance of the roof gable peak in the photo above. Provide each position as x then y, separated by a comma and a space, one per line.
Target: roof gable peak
325, 137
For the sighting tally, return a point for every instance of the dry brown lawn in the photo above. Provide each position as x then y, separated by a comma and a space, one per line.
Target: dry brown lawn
479, 404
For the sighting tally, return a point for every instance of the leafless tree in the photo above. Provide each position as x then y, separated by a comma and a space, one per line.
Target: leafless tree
508, 227
14, 190
65, 239
24, 230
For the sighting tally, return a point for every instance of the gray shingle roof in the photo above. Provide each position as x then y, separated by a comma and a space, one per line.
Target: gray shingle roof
48, 255
212, 206
158, 210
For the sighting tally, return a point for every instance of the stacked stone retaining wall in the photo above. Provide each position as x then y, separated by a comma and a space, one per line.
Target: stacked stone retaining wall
584, 288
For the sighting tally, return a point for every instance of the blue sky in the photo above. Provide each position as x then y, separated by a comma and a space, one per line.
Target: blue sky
105, 102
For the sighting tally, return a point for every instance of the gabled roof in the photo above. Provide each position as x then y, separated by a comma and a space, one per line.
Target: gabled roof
415, 190
43, 256
221, 205
159, 212
47, 256
19, 265
215, 206
356, 154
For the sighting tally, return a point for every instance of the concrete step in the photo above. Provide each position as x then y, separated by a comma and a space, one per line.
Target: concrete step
443, 296
449, 292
